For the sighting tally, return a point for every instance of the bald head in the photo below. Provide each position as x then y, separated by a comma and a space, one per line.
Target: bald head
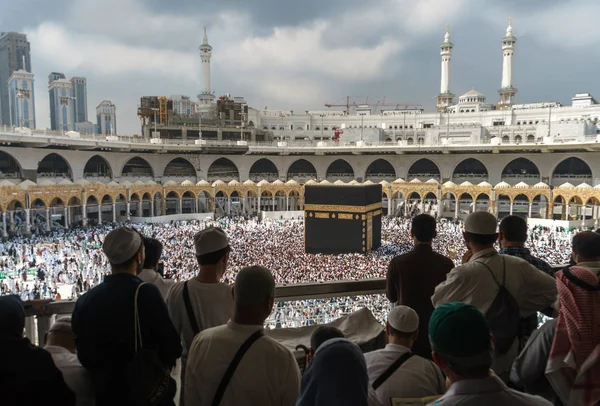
254, 286
586, 247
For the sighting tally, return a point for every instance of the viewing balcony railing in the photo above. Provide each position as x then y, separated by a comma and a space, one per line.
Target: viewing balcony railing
300, 297
59, 137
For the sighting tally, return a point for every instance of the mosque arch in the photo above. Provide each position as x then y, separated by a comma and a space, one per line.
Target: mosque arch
425, 169
179, 168
573, 168
264, 168
339, 169
223, 169
520, 168
97, 167
301, 169
470, 168
54, 166
381, 169
10, 168
137, 167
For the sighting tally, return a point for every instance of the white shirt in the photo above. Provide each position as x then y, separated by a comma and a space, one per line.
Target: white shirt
76, 376
472, 283
416, 378
268, 374
212, 303
153, 277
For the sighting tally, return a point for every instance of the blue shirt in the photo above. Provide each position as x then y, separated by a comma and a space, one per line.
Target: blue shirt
525, 254
103, 323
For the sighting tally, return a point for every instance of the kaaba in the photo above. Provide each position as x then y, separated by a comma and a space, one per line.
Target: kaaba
342, 219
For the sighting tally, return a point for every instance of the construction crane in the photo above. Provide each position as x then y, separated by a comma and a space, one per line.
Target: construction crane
354, 105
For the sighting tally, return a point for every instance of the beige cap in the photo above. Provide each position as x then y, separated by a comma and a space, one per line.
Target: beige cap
62, 325
209, 240
481, 222
121, 244
403, 319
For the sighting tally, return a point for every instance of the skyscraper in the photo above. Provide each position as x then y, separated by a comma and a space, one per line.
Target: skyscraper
14, 52
21, 99
51, 78
62, 105
80, 91
106, 114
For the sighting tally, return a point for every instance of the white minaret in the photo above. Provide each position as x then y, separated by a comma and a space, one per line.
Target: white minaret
205, 97
445, 98
507, 91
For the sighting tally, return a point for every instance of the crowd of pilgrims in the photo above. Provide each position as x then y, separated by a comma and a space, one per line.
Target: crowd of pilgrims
64, 264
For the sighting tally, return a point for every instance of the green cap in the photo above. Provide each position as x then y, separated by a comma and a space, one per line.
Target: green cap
460, 330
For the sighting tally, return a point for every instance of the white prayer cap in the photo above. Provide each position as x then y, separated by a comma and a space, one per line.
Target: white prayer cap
403, 319
481, 222
211, 239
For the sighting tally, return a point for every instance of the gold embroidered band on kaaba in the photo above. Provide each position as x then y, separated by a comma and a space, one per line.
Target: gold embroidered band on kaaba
342, 208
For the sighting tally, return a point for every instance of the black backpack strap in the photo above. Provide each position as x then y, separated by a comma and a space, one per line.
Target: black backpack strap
391, 369
233, 366
189, 309
575, 280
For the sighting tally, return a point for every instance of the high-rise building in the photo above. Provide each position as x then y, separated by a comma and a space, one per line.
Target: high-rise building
62, 105
80, 90
106, 114
14, 55
51, 78
21, 99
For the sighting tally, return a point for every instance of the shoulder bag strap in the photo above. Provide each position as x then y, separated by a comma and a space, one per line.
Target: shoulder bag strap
189, 309
491, 273
233, 366
137, 331
391, 369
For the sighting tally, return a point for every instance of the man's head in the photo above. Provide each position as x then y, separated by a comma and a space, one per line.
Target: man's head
212, 248
124, 248
423, 228
513, 232
460, 340
322, 334
402, 326
61, 335
153, 249
480, 230
254, 295
12, 316
586, 247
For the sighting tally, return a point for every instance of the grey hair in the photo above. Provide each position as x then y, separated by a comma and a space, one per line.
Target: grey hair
253, 285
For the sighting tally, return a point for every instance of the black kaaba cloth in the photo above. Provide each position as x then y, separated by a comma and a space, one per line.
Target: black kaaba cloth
342, 219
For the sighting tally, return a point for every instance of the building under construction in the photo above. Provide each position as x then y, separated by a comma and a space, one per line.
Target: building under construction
228, 120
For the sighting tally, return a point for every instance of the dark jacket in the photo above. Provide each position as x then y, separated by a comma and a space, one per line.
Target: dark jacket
28, 375
103, 323
411, 281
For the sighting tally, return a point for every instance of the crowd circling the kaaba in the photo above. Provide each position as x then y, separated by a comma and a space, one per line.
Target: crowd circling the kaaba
460, 315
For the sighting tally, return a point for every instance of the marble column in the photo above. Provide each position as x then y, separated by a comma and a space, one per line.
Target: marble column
152, 212
567, 212
128, 214
4, 233
27, 222
511, 207
456, 209
180, 205
11, 222
439, 208
99, 213
114, 212
84, 215
48, 225
287, 203
530, 209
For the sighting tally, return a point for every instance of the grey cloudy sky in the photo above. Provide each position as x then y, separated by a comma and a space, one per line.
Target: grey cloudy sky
301, 54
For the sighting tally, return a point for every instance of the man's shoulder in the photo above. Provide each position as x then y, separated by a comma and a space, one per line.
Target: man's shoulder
276, 349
